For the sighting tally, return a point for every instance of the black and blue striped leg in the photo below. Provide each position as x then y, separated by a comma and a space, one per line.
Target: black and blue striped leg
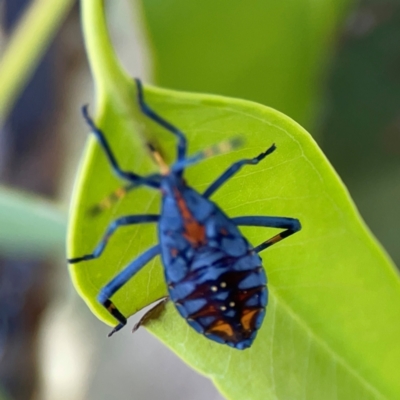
123, 221
129, 176
235, 168
291, 225
119, 281
182, 143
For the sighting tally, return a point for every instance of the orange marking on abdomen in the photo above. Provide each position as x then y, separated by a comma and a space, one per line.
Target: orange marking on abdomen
247, 319
174, 252
208, 310
222, 327
194, 231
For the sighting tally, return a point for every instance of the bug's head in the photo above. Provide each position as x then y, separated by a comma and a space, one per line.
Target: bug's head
173, 174
159, 160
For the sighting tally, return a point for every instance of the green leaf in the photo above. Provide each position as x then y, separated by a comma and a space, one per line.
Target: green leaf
332, 324
29, 224
273, 52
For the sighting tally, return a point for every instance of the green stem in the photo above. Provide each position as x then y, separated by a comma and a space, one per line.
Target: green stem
26, 47
30, 224
103, 61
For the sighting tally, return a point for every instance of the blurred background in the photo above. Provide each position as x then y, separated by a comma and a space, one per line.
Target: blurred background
332, 65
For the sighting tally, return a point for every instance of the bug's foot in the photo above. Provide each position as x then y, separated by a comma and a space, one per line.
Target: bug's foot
116, 329
261, 156
79, 259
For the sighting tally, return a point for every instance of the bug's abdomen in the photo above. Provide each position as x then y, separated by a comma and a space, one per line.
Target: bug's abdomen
214, 276
222, 297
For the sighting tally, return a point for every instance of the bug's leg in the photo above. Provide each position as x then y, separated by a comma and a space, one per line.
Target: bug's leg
129, 176
153, 313
123, 221
291, 225
182, 143
235, 168
119, 281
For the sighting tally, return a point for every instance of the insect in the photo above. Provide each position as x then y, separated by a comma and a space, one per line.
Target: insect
214, 275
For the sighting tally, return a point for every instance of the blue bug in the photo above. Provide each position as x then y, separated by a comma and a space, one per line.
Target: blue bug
214, 275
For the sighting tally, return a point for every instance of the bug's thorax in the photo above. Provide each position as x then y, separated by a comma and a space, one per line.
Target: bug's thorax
180, 203
171, 183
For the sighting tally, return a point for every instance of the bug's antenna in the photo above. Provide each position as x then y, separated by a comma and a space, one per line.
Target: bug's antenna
219, 148
119, 194
164, 168
111, 199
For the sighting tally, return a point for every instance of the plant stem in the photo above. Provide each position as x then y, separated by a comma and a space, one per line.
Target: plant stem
26, 47
103, 61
